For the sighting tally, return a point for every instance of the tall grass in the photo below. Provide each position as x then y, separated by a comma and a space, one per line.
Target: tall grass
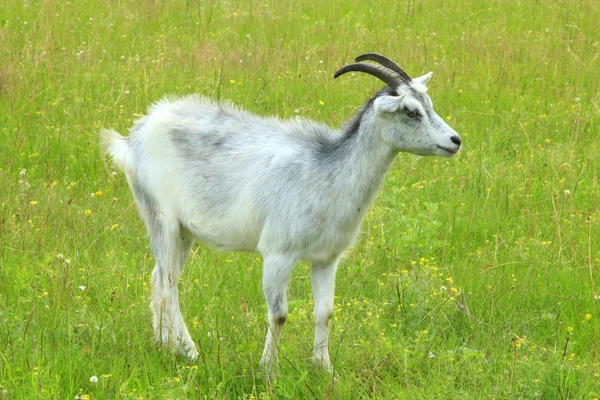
473, 278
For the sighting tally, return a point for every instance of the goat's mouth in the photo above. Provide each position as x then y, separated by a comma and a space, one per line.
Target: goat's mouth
450, 152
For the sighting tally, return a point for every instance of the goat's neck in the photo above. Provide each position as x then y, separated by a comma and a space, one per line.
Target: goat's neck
363, 161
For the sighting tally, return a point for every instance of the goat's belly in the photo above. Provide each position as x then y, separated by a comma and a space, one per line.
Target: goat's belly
225, 236
320, 243
328, 246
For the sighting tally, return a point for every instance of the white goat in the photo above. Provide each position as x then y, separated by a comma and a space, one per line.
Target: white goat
291, 190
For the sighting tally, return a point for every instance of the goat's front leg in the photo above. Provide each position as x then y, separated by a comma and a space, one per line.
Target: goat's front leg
323, 283
276, 275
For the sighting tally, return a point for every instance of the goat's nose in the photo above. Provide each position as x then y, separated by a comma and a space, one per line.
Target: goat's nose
456, 140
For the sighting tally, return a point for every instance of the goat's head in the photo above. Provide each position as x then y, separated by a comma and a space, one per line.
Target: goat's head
403, 112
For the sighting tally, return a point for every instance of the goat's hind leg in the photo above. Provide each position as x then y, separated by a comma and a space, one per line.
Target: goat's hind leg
171, 245
171, 249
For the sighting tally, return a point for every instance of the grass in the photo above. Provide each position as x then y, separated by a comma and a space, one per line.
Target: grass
472, 278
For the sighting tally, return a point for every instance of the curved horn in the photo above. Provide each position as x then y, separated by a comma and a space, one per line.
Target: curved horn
386, 62
385, 74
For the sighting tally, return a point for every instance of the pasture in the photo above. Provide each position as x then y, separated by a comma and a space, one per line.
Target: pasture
475, 277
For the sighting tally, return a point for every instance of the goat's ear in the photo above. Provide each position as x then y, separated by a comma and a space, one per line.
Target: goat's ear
422, 80
388, 103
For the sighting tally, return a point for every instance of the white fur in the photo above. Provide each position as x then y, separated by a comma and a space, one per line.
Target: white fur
291, 190
420, 83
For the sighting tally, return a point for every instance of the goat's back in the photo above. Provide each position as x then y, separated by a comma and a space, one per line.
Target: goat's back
223, 173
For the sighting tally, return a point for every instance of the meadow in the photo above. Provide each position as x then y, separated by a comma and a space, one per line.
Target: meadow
473, 278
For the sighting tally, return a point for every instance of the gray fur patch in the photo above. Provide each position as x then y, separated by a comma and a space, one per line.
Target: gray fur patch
353, 126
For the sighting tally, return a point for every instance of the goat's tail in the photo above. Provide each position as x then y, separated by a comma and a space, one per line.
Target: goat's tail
117, 147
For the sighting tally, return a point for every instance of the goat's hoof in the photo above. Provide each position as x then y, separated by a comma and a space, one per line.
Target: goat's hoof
192, 353
188, 350
269, 371
325, 366
269, 377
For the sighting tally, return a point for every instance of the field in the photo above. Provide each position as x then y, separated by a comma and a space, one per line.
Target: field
473, 278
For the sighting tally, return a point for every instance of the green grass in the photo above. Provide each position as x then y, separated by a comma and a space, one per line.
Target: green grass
510, 229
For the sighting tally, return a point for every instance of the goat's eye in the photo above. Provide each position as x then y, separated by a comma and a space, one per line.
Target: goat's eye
412, 114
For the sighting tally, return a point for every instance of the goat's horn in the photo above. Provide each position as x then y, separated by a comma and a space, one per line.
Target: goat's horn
385, 74
386, 62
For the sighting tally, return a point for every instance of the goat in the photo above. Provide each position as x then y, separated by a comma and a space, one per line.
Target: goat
291, 190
